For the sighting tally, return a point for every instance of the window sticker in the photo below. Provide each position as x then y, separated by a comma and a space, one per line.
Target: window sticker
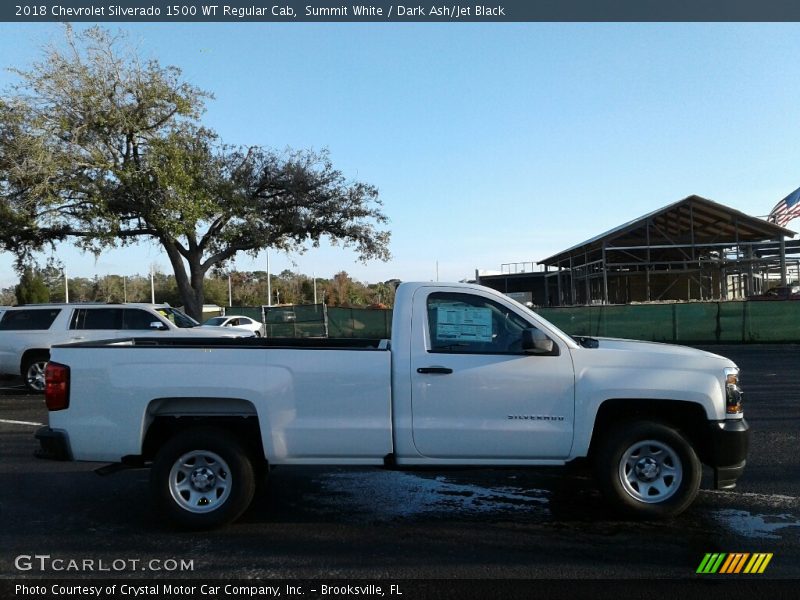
463, 324
167, 315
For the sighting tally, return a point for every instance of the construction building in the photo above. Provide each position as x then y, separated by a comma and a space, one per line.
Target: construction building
694, 249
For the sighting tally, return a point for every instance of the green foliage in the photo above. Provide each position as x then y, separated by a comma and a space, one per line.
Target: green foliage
101, 148
8, 297
31, 288
249, 289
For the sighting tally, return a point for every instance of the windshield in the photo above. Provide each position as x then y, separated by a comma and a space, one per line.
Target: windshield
216, 321
527, 310
178, 318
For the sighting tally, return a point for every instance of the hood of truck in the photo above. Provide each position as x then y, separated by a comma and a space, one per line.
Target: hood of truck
653, 353
628, 369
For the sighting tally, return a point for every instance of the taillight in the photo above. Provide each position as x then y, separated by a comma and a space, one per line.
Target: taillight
56, 386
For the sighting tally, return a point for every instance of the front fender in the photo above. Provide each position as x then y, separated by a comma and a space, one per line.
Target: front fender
596, 385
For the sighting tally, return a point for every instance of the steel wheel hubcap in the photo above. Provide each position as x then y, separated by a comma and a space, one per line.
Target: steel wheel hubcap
650, 471
647, 469
200, 481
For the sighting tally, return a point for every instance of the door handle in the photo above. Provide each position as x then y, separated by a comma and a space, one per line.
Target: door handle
440, 370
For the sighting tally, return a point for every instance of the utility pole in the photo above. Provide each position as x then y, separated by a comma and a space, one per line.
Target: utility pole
230, 291
269, 283
314, 277
66, 286
152, 287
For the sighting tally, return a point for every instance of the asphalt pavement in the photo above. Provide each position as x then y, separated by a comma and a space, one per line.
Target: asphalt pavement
374, 523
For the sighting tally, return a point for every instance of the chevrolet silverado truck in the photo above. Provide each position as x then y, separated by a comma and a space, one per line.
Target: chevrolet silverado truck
469, 378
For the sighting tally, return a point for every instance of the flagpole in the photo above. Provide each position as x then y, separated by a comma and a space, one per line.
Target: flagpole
783, 261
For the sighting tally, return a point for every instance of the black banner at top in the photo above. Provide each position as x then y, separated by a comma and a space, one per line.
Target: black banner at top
430, 11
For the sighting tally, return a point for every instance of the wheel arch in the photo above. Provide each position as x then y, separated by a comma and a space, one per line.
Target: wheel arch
30, 353
689, 418
166, 417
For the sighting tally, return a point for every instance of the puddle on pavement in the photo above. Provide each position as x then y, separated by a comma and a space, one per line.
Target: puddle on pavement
759, 526
392, 495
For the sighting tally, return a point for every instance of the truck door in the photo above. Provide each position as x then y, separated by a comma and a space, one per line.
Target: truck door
475, 392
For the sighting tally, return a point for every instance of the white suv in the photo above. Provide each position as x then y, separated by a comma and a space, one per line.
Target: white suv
28, 332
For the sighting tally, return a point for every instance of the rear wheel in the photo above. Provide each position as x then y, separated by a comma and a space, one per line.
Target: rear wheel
33, 371
648, 470
202, 478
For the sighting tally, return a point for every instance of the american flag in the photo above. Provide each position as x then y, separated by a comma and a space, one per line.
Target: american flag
786, 210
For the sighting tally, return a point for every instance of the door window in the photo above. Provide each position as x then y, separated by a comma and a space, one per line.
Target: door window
138, 319
470, 324
96, 318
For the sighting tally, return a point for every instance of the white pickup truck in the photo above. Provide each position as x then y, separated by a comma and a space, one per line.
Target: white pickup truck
470, 377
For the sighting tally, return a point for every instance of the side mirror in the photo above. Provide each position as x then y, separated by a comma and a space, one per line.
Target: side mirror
158, 325
536, 342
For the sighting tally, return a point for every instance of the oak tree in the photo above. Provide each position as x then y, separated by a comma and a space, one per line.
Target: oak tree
103, 149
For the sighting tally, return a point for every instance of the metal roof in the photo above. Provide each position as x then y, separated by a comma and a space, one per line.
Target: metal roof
704, 220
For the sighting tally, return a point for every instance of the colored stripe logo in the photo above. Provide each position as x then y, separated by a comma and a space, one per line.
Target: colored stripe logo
734, 563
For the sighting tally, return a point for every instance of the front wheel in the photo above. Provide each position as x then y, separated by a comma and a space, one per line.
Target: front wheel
648, 470
202, 478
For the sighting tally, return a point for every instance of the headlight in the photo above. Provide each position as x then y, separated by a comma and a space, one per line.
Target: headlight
733, 394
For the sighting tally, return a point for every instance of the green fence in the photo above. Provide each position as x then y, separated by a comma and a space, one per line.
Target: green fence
302, 320
684, 323
359, 322
318, 320
687, 323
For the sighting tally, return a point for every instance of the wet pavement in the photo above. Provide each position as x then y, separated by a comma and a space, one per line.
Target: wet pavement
335, 522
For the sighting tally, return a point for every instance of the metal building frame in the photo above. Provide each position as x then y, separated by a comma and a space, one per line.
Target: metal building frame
694, 249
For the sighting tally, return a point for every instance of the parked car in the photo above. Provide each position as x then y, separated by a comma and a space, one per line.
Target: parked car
28, 332
783, 292
236, 321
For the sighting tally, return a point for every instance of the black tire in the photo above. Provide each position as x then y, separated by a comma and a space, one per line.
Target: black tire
33, 371
647, 470
202, 478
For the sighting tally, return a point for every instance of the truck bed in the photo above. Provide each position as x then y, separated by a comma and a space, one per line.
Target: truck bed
332, 406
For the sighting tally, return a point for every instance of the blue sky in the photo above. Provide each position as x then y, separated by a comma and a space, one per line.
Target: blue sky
490, 143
